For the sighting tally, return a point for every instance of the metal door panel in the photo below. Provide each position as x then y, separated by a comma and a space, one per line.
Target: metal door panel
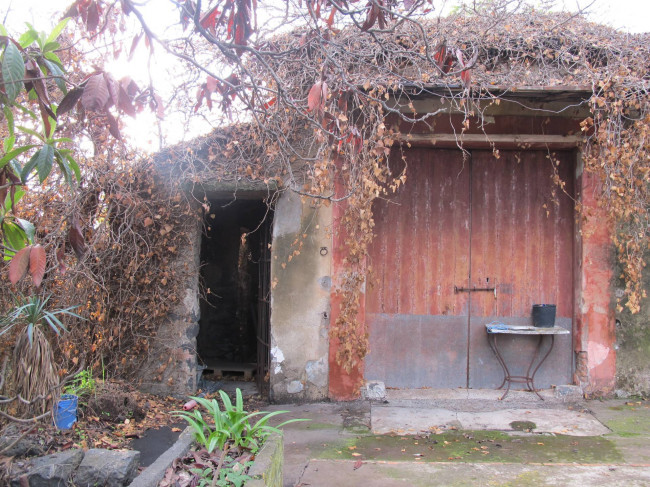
417, 350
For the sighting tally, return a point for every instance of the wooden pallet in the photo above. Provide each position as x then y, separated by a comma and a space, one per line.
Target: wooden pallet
220, 368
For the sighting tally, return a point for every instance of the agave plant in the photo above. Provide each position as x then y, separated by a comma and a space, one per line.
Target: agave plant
34, 371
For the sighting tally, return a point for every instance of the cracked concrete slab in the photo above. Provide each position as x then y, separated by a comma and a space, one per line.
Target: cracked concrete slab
402, 420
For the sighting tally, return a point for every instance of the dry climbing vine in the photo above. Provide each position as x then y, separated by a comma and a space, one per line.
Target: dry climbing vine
323, 106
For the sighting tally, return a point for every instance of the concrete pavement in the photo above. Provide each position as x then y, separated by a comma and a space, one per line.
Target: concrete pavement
465, 437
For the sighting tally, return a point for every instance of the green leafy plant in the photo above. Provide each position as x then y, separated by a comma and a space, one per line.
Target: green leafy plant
228, 476
230, 424
32, 311
83, 384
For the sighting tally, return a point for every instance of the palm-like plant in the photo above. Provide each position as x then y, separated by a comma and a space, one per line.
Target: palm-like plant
35, 373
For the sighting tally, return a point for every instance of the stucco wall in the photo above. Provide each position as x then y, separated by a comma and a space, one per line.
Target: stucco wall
633, 343
300, 305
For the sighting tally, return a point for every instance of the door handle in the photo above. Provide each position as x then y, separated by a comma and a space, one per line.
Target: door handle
473, 289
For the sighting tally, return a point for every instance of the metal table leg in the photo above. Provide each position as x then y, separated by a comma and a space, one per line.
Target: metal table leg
528, 379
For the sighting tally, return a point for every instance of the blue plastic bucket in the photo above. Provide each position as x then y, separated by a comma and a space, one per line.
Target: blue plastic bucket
65, 414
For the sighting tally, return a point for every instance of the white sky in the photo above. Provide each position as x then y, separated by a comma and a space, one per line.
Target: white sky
627, 15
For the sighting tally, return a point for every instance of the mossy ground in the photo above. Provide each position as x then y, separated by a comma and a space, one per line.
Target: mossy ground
478, 446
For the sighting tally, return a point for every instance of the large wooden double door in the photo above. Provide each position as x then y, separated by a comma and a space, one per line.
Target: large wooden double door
467, 241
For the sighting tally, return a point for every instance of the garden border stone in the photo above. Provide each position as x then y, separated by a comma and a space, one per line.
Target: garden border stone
154, 473
267, 471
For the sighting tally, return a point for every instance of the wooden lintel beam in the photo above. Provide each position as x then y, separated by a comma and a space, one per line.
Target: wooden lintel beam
480, 141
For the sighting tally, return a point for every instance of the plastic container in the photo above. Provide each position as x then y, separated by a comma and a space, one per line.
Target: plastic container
544, 315
65, 413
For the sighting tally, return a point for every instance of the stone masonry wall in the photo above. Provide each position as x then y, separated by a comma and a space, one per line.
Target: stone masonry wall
172, 366
633, 343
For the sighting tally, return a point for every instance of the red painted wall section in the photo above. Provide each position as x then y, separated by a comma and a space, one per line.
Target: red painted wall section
343, 386
595, 324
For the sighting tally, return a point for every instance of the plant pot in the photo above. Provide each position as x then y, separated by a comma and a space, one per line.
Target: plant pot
544, 315
65, 412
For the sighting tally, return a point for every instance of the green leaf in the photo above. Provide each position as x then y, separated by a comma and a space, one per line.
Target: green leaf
17, 197
44, 164
27, 38
14, 236
42, 160
30, 131
51, 46
63, 166
54, 58
3, 31
56, 32
55, 70
74, 166
12, 154
13, 71
9, 116
29, 229
8, 143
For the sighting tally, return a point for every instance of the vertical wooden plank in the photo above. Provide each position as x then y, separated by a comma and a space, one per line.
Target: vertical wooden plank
522, 239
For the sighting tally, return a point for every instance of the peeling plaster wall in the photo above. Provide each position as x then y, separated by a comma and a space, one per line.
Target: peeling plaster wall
594, 340
172, 365
300, 305
633, 344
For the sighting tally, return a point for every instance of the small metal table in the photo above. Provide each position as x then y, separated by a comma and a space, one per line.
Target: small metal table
493, 330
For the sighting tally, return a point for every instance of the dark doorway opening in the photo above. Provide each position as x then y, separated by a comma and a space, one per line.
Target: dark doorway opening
233, 339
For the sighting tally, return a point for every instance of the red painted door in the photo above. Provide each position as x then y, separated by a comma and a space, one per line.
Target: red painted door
459, 224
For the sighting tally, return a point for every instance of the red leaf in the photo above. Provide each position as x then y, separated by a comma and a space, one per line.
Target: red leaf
113, 126
134, 44
270, 103
209, 20
95, 95
92, 16
60, 258
239, 35
317, 97
357, 464
69, 101
76, 239
34, 72
211, 84
37, 261
330, 20
313, 99
124, 102
371, 18
465, 76
231, 23
113, 90
440, 56
45, 115
19, 265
